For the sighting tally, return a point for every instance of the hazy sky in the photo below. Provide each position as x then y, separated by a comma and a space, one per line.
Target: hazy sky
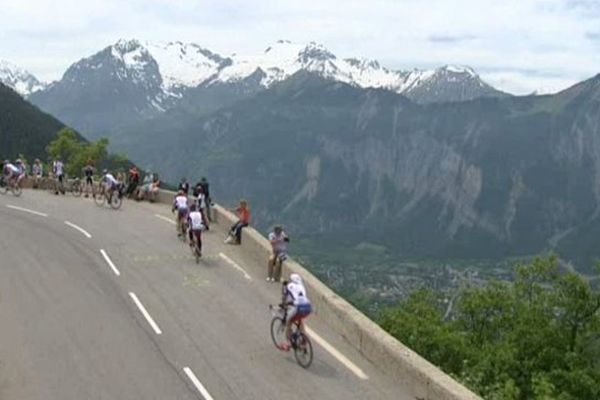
516, 45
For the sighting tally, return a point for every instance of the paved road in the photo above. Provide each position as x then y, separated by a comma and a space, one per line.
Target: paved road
141, 320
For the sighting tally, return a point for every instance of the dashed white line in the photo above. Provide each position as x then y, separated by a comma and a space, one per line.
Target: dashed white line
197, 383
169, 220
80, 229
145, 313
110, 263
235, 265
27, 210
335, 353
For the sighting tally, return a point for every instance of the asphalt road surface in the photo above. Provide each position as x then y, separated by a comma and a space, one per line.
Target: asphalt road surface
104, 304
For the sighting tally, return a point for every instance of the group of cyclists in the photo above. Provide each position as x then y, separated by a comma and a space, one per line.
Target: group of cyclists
193, 217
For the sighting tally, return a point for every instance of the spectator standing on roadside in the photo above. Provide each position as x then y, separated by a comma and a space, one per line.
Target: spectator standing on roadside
134, 181
88, 173
235, 233
36, 172
201, 202
279, 240
206, 188
58, 171
185, 186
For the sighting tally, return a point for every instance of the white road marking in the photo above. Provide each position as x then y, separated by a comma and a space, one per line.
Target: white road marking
197, 383
169, 220
27, 210
145, 313
80, 229
335, 353
235, 265
110, 263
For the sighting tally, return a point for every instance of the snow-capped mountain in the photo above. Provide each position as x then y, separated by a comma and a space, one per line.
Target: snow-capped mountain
130, 80
283, 59
20, 80
118, 85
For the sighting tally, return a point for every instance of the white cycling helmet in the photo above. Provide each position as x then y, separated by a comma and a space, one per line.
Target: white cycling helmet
295, 278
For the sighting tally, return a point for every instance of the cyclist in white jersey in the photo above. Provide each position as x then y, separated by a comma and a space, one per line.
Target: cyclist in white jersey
196, 225
180, 203
297, 304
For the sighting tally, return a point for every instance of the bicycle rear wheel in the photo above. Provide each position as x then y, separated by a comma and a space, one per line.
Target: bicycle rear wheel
303, 351
116, 201
16, 190
278, 331
3, 188
76, 189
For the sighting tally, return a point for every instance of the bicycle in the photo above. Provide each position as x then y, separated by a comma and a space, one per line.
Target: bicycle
195, 247
114, 199
300, 342
75, 187
11, 185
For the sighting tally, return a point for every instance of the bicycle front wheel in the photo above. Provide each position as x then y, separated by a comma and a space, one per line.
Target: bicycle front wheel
99, 199
303, 351
278, 331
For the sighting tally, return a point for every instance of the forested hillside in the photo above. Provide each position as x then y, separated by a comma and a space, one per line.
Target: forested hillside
24, 129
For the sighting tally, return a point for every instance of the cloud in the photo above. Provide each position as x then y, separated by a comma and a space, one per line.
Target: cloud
549, 37
451, 39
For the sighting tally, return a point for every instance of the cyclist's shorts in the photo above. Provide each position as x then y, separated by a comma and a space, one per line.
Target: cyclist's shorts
182, 212
302, 311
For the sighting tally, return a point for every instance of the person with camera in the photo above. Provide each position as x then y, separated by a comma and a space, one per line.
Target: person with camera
279, 240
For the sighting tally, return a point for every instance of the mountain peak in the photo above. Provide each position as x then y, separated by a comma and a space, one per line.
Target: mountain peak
458, 69
315, 51
18, 79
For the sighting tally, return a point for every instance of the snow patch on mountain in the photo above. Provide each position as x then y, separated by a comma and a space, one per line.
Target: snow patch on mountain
185, 64
20, 80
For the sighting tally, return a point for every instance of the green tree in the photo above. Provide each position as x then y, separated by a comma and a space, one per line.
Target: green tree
74, 152
535, 338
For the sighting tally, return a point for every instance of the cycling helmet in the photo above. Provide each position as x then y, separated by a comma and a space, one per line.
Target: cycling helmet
295, 278
18, 161
105, 171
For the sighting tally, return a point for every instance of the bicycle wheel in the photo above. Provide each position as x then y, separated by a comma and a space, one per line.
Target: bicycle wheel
3, 188
278, 331
16, 190
76, 189
303, 351
116, 201
99, 199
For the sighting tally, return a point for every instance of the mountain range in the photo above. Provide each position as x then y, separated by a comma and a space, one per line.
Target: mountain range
131, 81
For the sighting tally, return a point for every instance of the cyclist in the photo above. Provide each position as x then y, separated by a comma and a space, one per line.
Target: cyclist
196, 224
180, 203
297, 306
110, 183
88, 172
279, 240
10, 172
